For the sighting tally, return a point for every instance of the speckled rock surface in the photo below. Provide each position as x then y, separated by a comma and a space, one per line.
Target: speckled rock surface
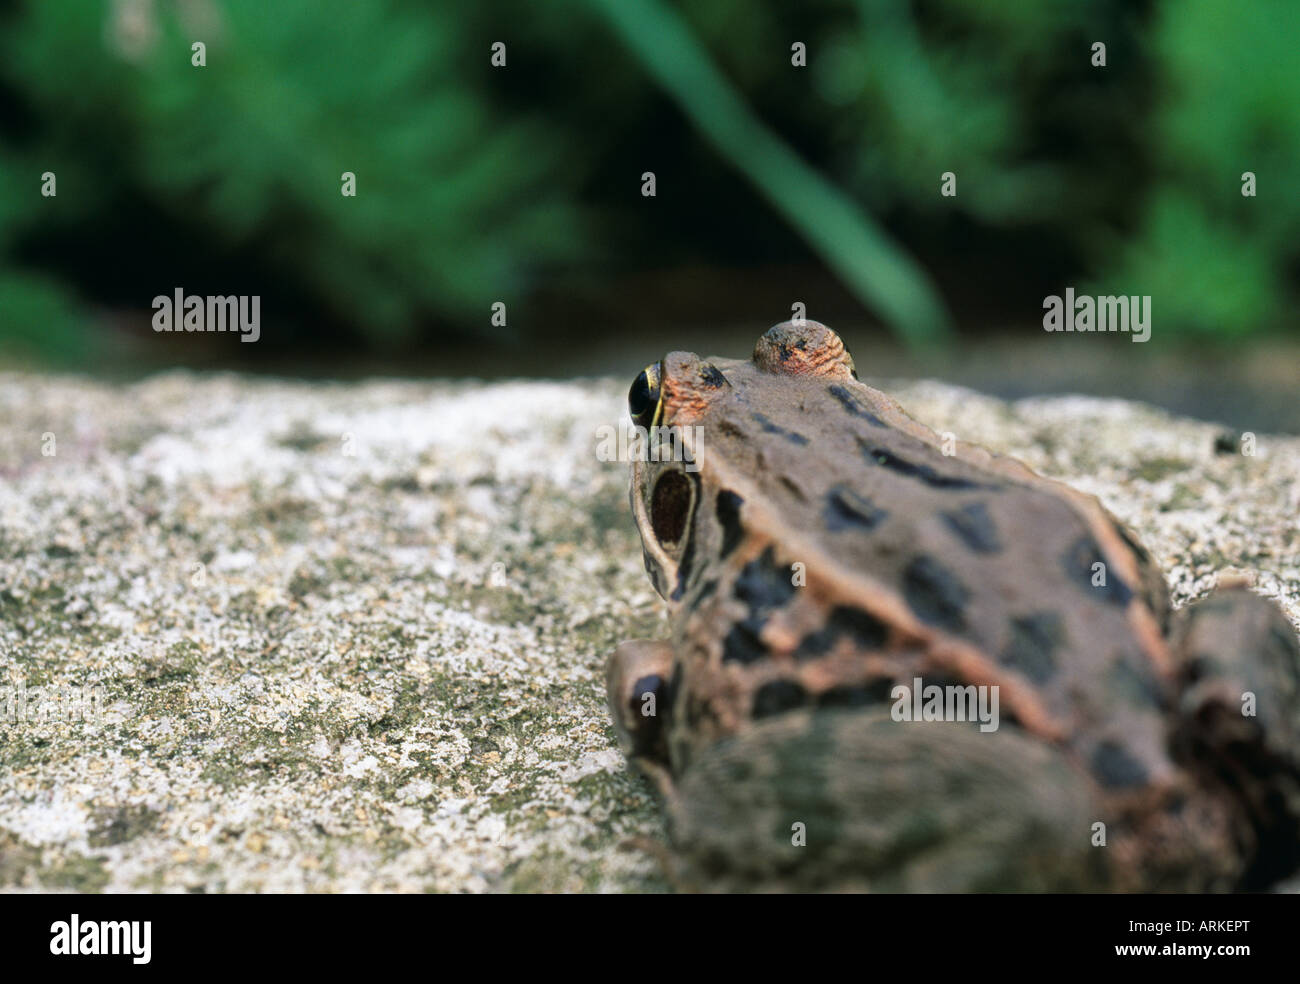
350, 637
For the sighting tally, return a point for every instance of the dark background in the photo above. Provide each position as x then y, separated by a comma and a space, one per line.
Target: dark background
776, 184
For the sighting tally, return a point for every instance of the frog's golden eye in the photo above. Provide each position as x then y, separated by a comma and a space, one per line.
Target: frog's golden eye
643, 397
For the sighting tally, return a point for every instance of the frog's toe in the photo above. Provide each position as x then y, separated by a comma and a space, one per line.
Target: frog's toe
1239, 716
636, 686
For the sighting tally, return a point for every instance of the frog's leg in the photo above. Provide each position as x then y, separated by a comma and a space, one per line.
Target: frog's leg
636, 685
1238, 717
852, 799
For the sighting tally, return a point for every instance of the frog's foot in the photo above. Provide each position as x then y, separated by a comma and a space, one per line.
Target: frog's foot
1238, 725
636, 685
853, 800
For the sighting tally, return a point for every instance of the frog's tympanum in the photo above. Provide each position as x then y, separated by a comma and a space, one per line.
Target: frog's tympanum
900, 663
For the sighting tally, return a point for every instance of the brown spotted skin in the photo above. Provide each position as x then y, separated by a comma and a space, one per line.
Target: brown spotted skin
827, 548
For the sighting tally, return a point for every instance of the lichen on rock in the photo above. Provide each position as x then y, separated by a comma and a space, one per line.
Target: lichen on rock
339, 637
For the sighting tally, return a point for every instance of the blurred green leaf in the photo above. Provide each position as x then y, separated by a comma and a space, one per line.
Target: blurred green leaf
477, 185
876, 268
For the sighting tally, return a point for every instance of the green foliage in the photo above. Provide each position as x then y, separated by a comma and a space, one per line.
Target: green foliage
476, 185
41, 319
1133, 171
1217, 261
457, 205
848, 238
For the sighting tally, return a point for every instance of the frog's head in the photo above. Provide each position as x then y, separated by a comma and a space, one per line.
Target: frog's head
679, 390
668, 402
672, 401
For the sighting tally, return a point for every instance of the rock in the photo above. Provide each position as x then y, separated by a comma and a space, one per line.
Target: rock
320, 637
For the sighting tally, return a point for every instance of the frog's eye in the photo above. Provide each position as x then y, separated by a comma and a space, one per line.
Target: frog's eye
804, 348
643, 397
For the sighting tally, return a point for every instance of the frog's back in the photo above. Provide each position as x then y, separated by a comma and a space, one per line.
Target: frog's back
957, 567
818, 548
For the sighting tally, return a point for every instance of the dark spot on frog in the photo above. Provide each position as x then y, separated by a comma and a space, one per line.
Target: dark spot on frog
1151, 585
1131, 542
1080, 562
777, 696
656, 575
785, 349
850, 403
704, 593
935, 594
974, 527
729, 429
742, 644
773, 428
866, 631
1115, 768
1129, 677
1225, 442
651, 683
684, 569
856, 695
1034, 640
712, 376
1197, 667
922, 473
793, 488
728, 508
764, 584
846, 509
649, 727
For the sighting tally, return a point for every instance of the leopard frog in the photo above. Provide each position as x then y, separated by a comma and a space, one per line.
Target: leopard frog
819, 549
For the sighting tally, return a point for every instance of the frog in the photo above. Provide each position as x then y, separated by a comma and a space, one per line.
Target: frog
823, 554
